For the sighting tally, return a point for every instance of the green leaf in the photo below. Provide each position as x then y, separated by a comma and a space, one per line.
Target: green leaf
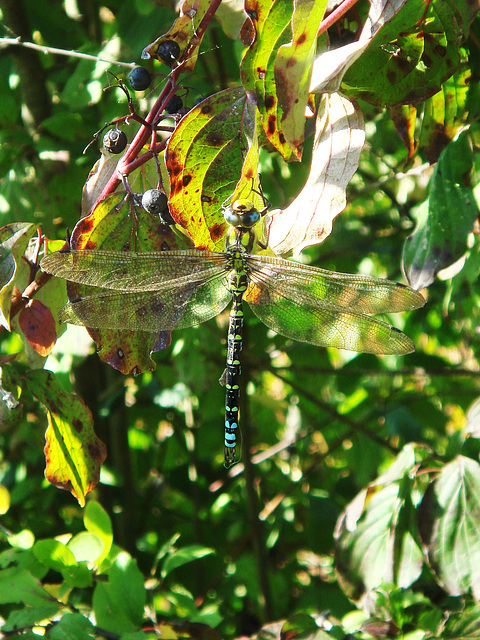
464, 625
450, 514
72, 626
29, 616
97, 521
54, 554
446, 219
73, 452
110, 226
119, 603
293, 70
184, 556
271, 25
18, 585
410, 57
376, 536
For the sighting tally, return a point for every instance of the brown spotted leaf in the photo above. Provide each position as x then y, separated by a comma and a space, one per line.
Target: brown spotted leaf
204, 158
293, 70
339, 139
410, 57
271, 24
38, 325
73, 452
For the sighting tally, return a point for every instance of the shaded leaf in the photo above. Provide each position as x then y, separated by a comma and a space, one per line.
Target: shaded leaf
183, 556
464, 625
19, 586
443, 114
339, 139
72, 626
330, 66
410, 57
450, 514
376, 536
73, 452
446, 219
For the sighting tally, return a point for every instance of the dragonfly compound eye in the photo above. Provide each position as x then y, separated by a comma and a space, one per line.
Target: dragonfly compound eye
242, 214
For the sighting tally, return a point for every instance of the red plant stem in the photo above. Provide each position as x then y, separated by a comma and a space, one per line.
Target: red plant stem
336, 15
130, 161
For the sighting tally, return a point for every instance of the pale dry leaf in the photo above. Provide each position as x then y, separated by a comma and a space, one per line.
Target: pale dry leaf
339, 139
330, 66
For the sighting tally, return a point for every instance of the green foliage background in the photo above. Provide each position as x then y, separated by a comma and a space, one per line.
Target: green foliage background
169, 539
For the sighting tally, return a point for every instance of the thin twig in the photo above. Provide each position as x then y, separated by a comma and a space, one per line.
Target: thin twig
18, 42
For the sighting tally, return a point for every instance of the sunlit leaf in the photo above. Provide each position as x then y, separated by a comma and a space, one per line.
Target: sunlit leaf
184, 556
117, 223
97, 521
183, 32
339, 139
119, 603
376, 536
73, 452
204, 159
293, 69
271, 23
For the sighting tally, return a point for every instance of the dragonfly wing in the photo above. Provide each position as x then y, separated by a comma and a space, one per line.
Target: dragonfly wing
318, 322
176, 307
364, 294
130, 271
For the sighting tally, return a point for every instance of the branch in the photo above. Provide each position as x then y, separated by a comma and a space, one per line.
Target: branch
7, 42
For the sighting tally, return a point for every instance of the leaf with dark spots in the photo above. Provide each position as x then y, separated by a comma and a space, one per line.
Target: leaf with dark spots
70, 439
410, 56
205, 142
38, 326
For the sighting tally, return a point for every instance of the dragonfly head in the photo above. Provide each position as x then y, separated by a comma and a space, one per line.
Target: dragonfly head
242, 214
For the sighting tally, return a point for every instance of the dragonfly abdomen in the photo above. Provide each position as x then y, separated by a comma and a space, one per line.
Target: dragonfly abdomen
238, 285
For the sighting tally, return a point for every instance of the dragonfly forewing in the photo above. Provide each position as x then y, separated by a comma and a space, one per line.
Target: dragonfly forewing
130, 271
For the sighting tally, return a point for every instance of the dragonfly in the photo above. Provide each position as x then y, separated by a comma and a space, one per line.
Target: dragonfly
167, 290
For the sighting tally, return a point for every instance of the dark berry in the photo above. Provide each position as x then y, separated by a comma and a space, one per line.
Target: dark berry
174, 105
168, 51
139, 78
154, 201
114, 141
